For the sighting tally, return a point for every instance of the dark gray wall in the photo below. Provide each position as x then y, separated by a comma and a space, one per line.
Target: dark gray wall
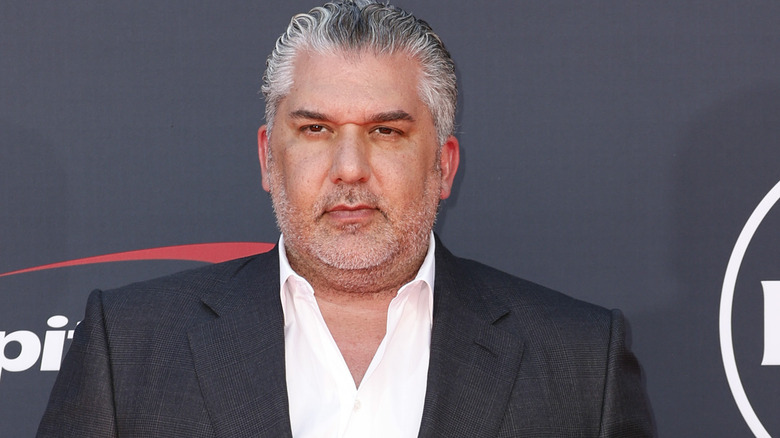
612, 150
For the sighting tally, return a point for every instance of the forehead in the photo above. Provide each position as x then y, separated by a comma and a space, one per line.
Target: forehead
348, 84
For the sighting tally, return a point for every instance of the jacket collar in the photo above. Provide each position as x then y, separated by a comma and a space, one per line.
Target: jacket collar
473, 364
239, 355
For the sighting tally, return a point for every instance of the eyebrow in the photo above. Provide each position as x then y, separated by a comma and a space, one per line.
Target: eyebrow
307, 114
387, 116
392, 116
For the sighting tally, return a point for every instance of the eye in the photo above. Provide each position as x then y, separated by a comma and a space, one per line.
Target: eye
385, 131
313, 128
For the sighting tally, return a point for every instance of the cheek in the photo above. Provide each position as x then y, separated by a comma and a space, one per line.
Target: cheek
410, 164
405, 184
302, 175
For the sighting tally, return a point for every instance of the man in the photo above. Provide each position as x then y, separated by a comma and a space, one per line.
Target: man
360, 323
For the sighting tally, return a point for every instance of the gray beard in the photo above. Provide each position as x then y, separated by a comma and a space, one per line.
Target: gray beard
401, 240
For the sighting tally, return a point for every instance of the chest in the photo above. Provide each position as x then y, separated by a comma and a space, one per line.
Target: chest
354, 372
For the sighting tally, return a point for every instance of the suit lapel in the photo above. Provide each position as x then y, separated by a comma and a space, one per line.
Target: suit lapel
239, 355
473, 365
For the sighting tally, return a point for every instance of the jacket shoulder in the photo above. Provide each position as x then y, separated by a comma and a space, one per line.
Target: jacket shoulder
496, 288
188, 294
577, 369
561, 328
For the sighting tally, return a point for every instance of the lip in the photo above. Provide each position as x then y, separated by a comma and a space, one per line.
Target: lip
350, 213
344, 207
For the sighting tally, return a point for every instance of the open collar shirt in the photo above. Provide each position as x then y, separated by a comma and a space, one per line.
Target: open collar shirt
323, 399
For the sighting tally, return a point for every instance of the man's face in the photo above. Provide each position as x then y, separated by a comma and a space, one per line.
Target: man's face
352, 164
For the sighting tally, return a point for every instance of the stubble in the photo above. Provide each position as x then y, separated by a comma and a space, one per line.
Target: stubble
354, 257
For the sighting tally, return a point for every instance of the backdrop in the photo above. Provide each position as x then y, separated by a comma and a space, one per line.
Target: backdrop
623, 152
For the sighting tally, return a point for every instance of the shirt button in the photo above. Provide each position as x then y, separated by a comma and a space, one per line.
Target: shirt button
356, 406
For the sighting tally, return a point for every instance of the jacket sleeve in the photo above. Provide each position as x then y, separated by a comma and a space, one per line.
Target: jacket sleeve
626, 410
82, 402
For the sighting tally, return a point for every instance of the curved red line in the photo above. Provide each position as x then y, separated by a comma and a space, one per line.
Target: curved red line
199, 252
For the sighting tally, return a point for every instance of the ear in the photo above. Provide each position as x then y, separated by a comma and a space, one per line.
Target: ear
450, 158
262, 152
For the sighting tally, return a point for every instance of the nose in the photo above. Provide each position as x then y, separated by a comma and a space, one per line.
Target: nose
350, 160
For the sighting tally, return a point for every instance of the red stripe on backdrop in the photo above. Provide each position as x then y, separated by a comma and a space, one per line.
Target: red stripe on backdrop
199, 252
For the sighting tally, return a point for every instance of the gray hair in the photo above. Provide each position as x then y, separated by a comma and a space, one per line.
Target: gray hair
355, 25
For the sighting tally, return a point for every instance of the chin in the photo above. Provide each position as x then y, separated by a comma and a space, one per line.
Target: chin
354, 255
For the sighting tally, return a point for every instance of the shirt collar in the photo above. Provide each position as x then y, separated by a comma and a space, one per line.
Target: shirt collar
426, 274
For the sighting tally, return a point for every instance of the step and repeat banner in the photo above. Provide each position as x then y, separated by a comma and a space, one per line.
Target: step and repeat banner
626, 153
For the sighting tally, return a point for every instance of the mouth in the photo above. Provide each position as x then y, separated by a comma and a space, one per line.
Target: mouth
347, 207
349, 214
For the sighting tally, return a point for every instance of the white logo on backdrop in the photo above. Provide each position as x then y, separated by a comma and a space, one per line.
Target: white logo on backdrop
771, 307
31, 348
51, 348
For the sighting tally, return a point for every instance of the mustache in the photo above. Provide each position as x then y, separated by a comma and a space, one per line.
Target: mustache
349, 196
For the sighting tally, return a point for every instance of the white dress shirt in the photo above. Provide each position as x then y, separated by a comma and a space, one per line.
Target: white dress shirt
323, 399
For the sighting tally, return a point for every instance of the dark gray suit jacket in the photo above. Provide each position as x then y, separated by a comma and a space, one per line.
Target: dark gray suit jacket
201, 354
